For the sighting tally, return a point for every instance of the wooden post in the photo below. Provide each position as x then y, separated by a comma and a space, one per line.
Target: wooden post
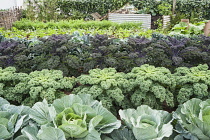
174, 7
186, 21
207, 28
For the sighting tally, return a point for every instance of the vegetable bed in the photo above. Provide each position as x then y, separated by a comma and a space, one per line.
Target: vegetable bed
73, 87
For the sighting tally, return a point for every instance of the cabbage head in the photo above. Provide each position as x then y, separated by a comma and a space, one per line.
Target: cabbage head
73, 125
148, 124
193, 120
77, 116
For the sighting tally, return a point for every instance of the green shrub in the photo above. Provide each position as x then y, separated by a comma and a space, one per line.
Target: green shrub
25, 24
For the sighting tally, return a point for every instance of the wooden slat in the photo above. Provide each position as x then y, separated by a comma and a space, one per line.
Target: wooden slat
8, 17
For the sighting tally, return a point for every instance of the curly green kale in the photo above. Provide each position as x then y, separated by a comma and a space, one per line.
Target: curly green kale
106, 85
12, 84
48, 84
151, 86
22, 88
192, 83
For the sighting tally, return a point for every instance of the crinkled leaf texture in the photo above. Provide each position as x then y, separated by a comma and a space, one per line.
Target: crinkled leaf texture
152, 86
193, 119
192, 82
147, 123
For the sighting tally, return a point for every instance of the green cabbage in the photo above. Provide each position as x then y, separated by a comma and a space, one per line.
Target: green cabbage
78, 116
193, 120
12, 119
148, 124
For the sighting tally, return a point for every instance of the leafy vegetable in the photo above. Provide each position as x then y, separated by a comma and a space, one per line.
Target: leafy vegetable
32, 132
78, 116
107, 85
183, 29
147, 123
192, 82
12, 119
47, 84
193, 120
23, 88
12, 84
122, 133
151, 86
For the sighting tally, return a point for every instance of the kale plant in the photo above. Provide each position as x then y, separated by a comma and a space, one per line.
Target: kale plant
22, 88
151, 86
192, 83
13, 85
106, 85
47, 84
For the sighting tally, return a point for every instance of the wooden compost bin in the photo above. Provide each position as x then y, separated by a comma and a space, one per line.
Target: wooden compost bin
9, 16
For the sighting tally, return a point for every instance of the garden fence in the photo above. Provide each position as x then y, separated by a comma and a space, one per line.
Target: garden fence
9, 16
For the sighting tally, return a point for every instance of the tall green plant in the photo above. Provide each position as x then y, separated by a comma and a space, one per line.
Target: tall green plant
153, 7
44, 10
194, 9
90, 6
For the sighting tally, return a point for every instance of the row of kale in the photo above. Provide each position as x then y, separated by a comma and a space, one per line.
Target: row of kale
75, 54
157, 87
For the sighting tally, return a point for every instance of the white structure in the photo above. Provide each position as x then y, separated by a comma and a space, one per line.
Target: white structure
7, 4
145, 19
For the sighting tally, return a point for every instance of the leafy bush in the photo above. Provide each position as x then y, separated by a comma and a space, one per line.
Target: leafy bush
25, 24
151, 86
78, 116
22, 88
106, 85
193, 120
153, 7
91, 6
192, 83
183, 29
44, 10
194, 9
147, 123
